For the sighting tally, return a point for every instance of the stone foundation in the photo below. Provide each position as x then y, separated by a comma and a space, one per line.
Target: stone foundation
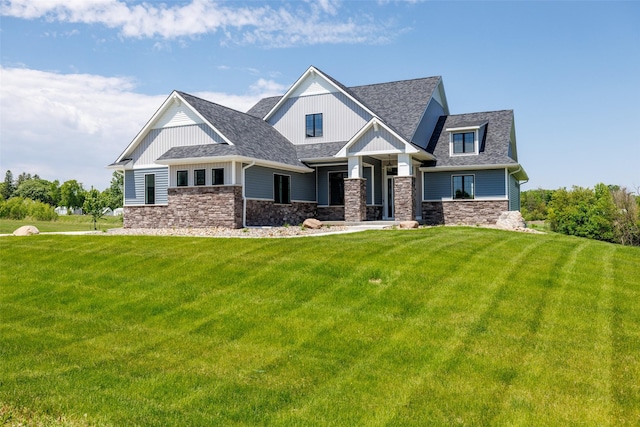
197, 207
468, 212
355, 199
374, 213
404, 196
331, 213
266, 212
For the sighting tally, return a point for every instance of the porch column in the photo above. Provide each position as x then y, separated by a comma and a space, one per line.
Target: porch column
355, 199
404, 190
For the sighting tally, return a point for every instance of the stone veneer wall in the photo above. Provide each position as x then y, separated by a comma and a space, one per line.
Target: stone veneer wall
374, 213
355, 199
331, 213
404, 200
266, 212
468, 212
198, 207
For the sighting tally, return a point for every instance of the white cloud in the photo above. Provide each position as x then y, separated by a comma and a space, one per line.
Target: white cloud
70, 126
309, 23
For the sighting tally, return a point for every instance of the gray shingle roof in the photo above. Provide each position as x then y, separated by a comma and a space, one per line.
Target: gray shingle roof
251, 136
399, 104
494, 150
320, 150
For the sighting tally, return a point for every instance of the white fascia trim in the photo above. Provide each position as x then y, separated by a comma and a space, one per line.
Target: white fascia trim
466, 168
464, 128
311, 71
173, 97
218, 159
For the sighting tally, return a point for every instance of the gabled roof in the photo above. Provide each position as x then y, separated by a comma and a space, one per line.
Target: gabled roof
251, 137
400, 105
494, 149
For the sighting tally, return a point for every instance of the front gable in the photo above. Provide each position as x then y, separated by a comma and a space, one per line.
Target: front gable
175, 123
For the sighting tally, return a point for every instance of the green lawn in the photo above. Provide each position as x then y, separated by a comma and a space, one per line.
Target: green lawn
438, 326
63, 223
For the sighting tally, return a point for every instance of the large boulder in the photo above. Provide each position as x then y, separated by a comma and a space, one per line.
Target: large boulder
408, 224
312, 223
511, 220
26, 230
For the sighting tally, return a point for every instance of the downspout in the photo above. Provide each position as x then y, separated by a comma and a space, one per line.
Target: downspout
244, 194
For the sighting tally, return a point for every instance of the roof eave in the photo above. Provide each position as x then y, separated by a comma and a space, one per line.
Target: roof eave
244, 159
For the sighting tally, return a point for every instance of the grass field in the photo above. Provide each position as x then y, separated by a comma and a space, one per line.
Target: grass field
63, 223
439, 326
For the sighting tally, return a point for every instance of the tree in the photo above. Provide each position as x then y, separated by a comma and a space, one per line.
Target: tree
35, 189
534, 204
114, 194
94, 205
627, 219
72, 194
9, 187
583, 212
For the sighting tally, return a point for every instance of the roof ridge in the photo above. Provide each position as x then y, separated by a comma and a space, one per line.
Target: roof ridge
397, 81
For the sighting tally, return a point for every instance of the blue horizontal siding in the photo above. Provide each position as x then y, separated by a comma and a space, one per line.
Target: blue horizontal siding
488, 184
259, 184
134, 185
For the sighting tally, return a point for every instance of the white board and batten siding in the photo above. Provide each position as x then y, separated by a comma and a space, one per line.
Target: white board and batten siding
377, 141
159, 141
134, 185
342, 118
228, 172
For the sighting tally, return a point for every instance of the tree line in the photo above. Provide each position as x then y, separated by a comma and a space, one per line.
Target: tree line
606, 212
31, 196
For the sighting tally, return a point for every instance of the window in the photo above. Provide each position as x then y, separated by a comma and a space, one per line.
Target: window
463, 187
183, 178
150, 189
198, 177
314, 125
217, 176
336, 188
281, 188
464, 143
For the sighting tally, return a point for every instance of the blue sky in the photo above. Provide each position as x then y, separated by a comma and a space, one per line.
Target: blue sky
79, 79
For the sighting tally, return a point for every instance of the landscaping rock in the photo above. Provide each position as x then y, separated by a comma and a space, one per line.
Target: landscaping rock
511, 220
26, 230
408, 224
312, 223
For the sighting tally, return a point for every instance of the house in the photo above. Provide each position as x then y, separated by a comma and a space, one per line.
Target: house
389, 151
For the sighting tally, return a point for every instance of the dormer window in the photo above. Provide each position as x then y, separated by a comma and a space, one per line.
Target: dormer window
464, 141
313, 124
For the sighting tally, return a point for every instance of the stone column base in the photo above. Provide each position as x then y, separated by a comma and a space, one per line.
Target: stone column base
404, 197
355, 199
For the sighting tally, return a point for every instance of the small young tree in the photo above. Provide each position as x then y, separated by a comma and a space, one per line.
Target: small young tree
94, 205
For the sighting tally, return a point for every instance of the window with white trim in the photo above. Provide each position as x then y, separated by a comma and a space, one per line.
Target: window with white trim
198, 177
463, 186
182, 178
281, 188
150, 189
217, 176
463, 143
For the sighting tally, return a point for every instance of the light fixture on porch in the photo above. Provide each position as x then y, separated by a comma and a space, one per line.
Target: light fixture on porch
388, 161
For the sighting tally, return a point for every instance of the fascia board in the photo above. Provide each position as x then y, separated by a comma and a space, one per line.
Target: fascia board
469, 167
218, 159
463, 128
298, 82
